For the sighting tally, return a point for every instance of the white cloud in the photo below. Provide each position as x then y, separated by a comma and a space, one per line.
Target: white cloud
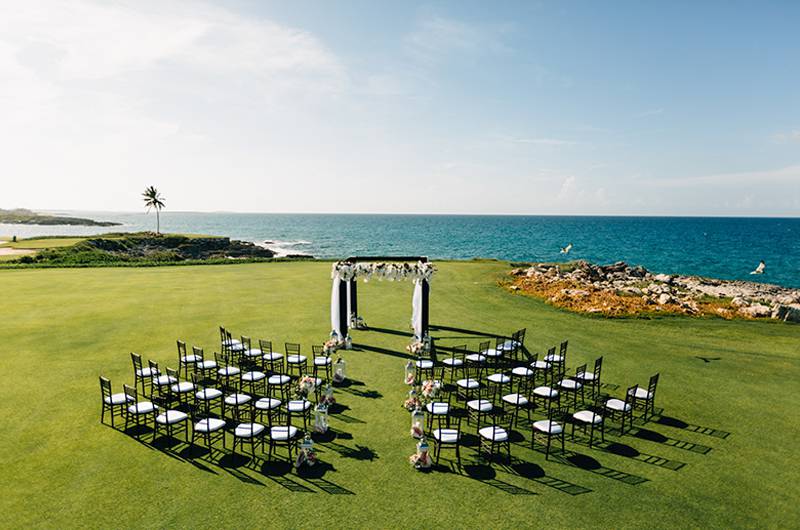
436, 37
787, 137
785, 175
553, 142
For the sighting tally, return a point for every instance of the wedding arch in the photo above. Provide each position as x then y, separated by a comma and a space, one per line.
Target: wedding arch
344, 293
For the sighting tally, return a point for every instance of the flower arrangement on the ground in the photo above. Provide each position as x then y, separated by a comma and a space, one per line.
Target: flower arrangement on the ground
330, 346
305, 386
430, 388
306, 455
357, 322
327, 396
410, 373
416, 348
421, 459
412, 403
347, 271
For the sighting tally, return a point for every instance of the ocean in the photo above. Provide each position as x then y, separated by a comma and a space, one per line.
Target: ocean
727, 248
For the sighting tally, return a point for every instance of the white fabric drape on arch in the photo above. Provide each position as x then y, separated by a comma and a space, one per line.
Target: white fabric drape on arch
335, 309
416, 309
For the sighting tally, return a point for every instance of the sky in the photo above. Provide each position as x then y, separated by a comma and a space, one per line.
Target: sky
619, 108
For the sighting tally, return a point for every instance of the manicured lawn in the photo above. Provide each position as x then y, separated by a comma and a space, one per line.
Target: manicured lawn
39, 244
60, 329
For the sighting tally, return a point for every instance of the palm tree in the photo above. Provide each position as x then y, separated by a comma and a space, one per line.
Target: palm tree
153, 199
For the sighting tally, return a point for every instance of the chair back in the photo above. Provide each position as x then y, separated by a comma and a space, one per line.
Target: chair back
197, 352
246, 343
317, 350
105, 388
563, 349
630, 395
222, 359
579, 371
651, 387
458, 352
154, 371
131, 393
484, 346
265, 345
196, 381
292, 348
181, 349
598, 366
171, 372
136, 359
521, 336
222, 334
551, 351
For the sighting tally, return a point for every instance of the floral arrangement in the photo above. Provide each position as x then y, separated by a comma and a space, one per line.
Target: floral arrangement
412, 403
421, 459
417, 431
416, 348
430, 388
327, 396
410, 373
347, 271
307, 456
330, 346
305, 386
356, 322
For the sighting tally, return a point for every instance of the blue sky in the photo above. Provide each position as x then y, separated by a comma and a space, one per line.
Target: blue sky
685, 108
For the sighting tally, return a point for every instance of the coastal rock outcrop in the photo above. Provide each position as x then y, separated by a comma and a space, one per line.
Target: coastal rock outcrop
620, 289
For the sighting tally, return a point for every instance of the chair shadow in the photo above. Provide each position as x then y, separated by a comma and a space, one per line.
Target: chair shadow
536, 473
464, 330
486, 474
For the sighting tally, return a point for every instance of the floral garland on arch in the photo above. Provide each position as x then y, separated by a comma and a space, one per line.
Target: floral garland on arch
347, 271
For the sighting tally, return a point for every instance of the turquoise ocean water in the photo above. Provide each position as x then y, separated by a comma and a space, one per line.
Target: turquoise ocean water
717, 247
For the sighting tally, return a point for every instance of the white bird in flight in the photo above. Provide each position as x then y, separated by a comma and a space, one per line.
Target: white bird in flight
760, 268
566, 249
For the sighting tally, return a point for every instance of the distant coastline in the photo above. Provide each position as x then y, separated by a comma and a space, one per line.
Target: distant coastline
22, 216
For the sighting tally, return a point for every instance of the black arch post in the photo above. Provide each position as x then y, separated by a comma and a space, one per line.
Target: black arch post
344, 318
353, 294
426, 289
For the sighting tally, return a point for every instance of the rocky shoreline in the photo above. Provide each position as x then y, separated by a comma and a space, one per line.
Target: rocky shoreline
623, 290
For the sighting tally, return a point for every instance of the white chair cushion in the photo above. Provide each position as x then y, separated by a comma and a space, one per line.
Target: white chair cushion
494, 433
268, 403
117, 399
642, 393
182, 387
481, 405
446, 436
236, 346
499, 378
322, 361
296, 359
548, 426
237, 399
570, 384
540, 365
230, 342
207, 365
554, 358
493, 353
272, 356
283, 432
468, 383
546, 392
298, 405
142, 407
475, 358
188, 359
424, 363
248, 430
437, 408
515, 399
253, 352
618, 404
209, 425
522, 371
278, 379
208, 394
171, 417
229, 371
508, 345
147, 372
587, 416
586, 376
253, 376
164, 380
450, 361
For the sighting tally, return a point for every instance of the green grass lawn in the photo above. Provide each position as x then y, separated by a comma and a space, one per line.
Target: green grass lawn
39, 244
61, 328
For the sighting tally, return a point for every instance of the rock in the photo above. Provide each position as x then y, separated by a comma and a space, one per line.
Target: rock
755, 311
738, 301
515, 287
787, 313
665, 278
664, 299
